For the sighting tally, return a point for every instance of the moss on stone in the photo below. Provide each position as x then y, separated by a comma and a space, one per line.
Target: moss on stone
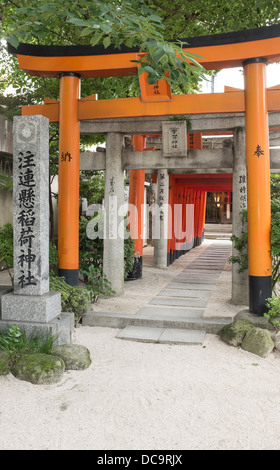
258, 341
75, 356
234, 332
4, 363
39, 368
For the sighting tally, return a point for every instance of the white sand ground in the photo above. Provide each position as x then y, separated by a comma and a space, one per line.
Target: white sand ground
143, 396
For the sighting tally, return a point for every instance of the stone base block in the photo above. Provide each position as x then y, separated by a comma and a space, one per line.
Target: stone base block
26, 308
62, 326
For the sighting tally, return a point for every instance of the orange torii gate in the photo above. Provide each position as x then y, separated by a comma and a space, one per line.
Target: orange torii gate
251, 49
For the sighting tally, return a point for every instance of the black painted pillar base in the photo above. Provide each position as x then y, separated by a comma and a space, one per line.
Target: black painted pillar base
168, 258
136, 272
71, 276
260, 289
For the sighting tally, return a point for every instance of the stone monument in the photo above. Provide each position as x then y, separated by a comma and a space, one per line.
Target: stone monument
31, 305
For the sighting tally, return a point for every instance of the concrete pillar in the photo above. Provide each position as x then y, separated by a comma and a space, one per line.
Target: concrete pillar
240, 284
161, 220
113, 251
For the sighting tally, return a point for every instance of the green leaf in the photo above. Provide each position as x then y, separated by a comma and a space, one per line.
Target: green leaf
13, 40
86, 31
152, 79
106, 42
106, 28
96, 38
77, 22
148, 69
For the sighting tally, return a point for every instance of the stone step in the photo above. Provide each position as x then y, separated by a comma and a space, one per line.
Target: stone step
190, 286
121, 320
162, 335
218, 236
182, 302
196, 279
196, 271
184, 293
166, 311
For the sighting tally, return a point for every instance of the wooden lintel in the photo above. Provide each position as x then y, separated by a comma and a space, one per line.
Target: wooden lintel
209, 103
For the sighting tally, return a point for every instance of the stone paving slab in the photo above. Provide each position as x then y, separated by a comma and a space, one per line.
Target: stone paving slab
169, 301
170, 312
162, 335
180, 336
195, 280
189, 286
213, 256
207, 268
141, 333
205, 271
184, 293
199, 275
207, 262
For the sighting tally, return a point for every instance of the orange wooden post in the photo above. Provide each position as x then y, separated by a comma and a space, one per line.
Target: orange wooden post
190, 219
136, 198
170, 219
258, 185
184, 220
68, 178
203, 214
174, 240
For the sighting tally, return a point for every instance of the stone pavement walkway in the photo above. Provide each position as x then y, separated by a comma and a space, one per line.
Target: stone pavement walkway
184, 301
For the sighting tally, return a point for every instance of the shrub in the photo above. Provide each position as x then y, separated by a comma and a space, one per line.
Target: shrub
91, 250
73, 299
6, 248
53, 258
273, 313
97, 284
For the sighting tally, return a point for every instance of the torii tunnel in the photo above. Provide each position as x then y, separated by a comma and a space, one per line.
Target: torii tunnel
251, 49
186, 200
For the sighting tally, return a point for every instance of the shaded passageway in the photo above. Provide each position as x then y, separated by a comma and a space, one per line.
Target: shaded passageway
182, 303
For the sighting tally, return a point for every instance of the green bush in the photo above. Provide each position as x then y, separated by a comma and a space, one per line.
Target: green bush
6, 248
91, 250
273, 313
73, 299
97, 284
53, 258
129, 245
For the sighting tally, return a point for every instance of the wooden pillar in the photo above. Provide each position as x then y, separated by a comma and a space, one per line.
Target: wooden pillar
68, 178
170, 220
136, 199
258, 184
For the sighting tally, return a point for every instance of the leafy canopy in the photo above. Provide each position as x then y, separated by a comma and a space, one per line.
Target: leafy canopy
108, 22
